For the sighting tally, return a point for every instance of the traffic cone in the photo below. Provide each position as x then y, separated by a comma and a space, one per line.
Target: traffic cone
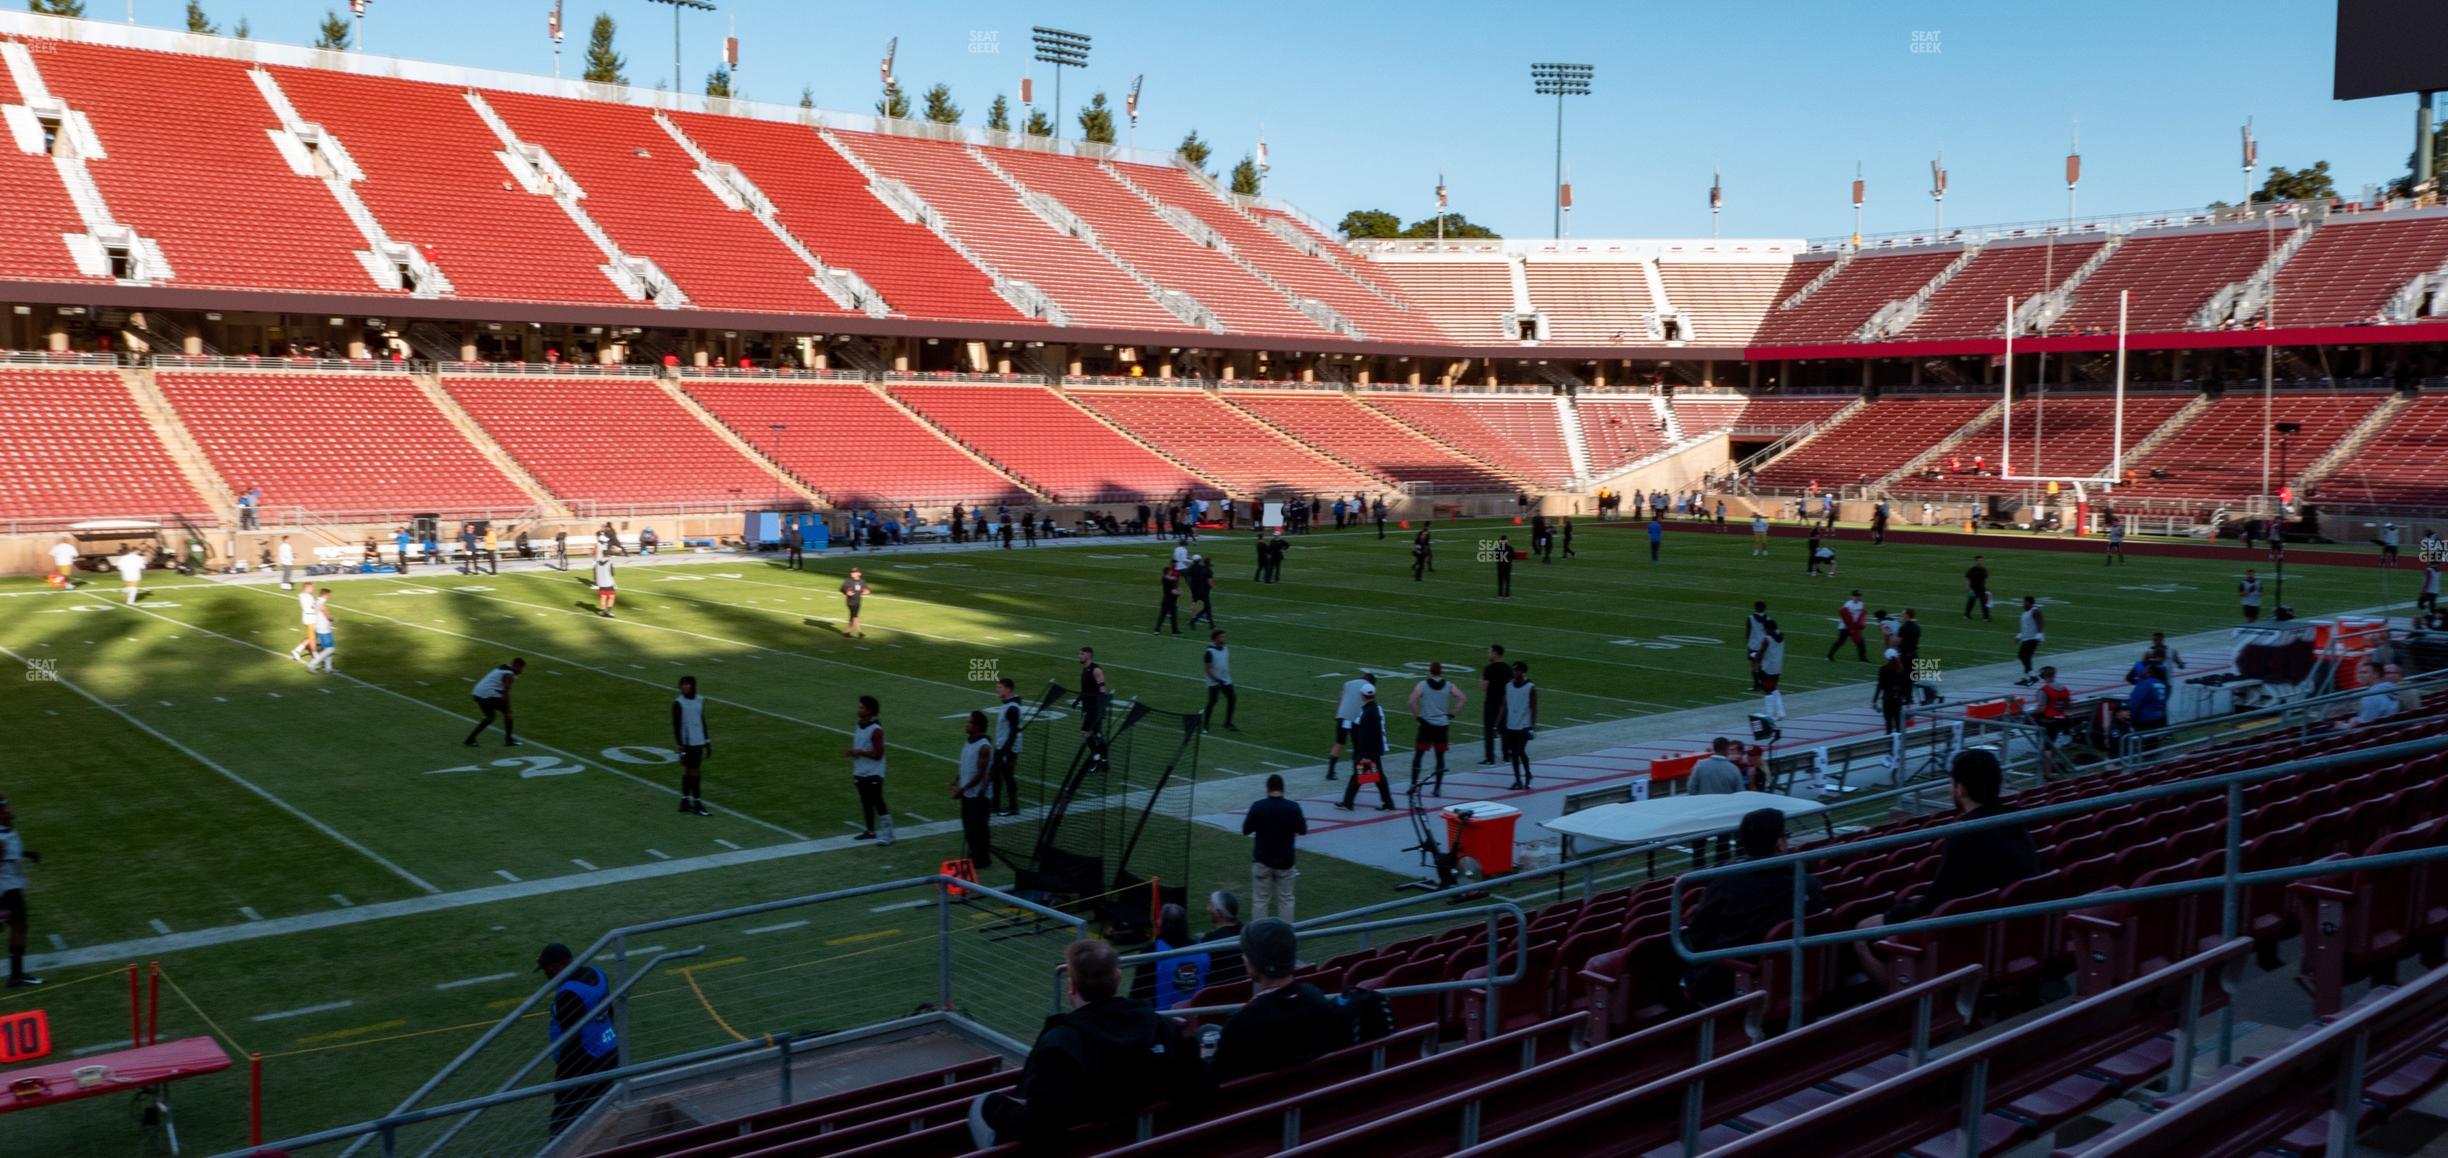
1517, 520
1404, 525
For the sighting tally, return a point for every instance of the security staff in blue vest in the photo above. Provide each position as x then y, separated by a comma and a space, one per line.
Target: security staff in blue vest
582, 1028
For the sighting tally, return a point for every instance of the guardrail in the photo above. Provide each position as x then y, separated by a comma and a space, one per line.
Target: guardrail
301, 363
991, 958
2230, 882
1328, 927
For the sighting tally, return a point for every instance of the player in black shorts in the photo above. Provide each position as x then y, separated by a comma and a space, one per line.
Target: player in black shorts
13, 859
854, 591
693, 741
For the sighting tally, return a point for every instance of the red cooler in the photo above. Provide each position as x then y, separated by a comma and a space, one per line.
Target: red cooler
1483, 831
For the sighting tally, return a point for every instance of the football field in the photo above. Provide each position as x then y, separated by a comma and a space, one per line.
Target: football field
331, 879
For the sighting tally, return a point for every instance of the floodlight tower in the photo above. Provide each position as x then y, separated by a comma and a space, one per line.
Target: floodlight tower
1062, 50
1560, 81
676, 6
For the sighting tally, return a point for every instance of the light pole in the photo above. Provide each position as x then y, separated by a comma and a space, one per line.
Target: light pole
356, 17
676, 6
1938, 176
2286, 431
1062, 50
1560, 81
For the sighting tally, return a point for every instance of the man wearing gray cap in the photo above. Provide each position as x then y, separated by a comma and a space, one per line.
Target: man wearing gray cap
1286, 1022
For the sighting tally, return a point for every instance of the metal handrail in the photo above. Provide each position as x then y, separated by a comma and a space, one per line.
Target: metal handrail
2231, 881
1315, 928
617, 941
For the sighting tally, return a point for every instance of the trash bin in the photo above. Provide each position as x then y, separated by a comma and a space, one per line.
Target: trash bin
1483, 831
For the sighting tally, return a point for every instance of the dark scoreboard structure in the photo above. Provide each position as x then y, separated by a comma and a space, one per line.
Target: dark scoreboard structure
2385, 47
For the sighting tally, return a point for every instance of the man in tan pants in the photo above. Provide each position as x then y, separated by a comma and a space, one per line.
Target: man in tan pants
1273, 822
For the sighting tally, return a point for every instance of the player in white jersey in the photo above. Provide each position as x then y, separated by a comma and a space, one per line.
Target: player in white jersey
1347, 709
492, 695
866, 753
131, 574
306, 619
13, 859
1433, 702
1759, 534
325, 647
604, 593
973, 787
286, 556
692, 742
2029, 632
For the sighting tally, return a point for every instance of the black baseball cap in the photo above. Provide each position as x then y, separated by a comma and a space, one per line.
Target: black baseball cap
554, 956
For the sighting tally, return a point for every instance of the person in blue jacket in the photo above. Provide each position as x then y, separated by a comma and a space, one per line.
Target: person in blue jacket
2148, 703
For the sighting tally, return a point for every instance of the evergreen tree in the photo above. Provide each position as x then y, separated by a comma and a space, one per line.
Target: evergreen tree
1096, 122
603, 65
56, 7
242, 29
1245, 176
1456, 225
197, 21
807, 96
939, 107
334, 31
718, 82
2284, 184
998, 114
894, 103
1195, 151
1039, 124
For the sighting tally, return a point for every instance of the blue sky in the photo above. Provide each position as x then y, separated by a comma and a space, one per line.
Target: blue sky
1363, 103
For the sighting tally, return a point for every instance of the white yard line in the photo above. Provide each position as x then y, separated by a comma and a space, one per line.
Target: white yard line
304, 1011
784, 927
233, 777
464, 982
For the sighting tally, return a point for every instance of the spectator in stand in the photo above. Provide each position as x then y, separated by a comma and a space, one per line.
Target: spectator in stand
1224, 912
1274, 822
1894, 692
1285, 1022
1742, 908
1969, 863
1101, 1062
1169, 981
2379, 700
248, 500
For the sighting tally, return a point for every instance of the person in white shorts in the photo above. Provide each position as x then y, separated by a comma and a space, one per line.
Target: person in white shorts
131, 573
324, 647
306, 617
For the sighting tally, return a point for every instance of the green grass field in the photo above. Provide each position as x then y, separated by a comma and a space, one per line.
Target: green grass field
182, 776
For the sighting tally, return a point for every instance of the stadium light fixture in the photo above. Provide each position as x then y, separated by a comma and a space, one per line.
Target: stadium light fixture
676, 6
1061, 50
1560, 81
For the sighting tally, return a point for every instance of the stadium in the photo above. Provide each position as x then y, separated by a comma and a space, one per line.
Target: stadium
966, 595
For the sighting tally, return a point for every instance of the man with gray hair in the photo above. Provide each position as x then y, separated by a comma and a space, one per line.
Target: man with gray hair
1224, 912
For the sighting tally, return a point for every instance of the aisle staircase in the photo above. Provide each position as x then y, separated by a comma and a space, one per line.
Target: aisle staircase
181, 443
430, 385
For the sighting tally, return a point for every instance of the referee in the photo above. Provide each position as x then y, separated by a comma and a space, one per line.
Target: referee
693, 743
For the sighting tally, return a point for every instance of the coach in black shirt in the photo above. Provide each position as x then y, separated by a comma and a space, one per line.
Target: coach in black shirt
1969, 863
1492, 679
1273, 822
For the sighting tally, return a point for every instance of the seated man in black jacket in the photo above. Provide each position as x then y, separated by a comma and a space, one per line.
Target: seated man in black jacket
1741, 908
1103, 1061
1286, 1022
1969, 863
1224, 912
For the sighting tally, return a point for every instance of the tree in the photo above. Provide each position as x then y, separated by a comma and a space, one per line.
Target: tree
197, 21
242, 29
56, 7
2283, 184
1456, 225
1361, 223
333, 33
2404, 186
1096, 121
718, 82
998, 114
939, 107
1195, 151
894, 103
1245, 176
603, 65
1039, 124
807, 96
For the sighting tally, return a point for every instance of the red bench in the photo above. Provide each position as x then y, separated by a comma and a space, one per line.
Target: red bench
147, 1069
830, 1112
